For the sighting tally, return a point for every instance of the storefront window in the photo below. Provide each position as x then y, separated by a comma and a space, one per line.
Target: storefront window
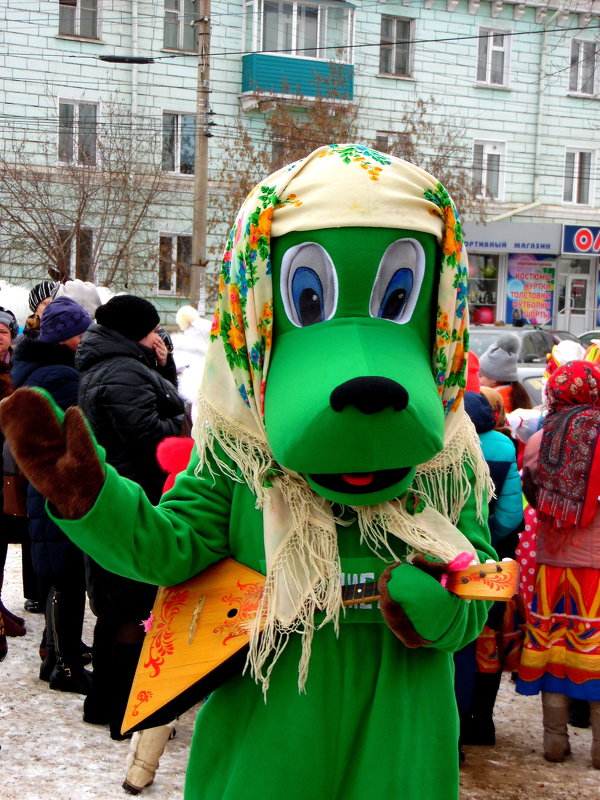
483, 287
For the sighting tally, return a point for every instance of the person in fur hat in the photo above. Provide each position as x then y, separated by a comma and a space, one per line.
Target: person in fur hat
331, 445
498, 370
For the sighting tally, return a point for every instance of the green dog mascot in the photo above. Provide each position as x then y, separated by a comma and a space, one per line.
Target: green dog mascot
331, 446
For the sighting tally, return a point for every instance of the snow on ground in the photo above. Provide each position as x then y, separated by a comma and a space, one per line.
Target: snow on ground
49, 753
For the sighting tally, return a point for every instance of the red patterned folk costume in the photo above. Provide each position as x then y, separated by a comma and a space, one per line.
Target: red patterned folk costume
562, 477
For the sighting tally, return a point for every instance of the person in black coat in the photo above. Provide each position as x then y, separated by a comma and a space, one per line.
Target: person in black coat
48, 362
131, 408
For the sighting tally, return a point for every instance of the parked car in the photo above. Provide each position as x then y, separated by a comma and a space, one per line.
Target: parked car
586, 338
536, 343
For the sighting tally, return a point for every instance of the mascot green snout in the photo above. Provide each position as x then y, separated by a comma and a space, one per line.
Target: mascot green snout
365, 408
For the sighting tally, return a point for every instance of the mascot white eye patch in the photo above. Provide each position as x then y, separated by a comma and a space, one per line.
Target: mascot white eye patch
398, 281
309, 285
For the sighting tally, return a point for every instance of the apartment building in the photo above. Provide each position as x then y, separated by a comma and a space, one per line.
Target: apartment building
95, 87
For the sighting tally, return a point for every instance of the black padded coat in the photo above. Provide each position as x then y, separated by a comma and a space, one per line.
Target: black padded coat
130, 406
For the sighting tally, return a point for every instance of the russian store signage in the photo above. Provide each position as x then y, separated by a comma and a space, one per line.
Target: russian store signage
581, 240
512, 237
529, 289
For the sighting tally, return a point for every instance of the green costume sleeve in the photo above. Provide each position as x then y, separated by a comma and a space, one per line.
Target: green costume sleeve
447, 621
167, 545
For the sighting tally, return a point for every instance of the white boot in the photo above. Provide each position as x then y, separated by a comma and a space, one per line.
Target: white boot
145, 750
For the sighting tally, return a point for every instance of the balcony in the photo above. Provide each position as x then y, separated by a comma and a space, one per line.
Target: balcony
293, 76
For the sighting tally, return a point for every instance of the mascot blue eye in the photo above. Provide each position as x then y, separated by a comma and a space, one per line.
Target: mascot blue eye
307, 294
308, 284
398, 281
396, 295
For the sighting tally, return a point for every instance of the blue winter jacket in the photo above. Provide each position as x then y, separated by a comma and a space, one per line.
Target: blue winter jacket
506, 510
51, 367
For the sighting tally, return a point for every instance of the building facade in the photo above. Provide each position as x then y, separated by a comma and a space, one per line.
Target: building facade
101, 86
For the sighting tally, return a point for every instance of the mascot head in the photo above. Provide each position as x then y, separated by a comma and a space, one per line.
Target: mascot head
337, 366
342, 319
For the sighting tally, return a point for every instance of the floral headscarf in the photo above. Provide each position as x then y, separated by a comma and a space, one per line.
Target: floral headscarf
568, 466
335, 186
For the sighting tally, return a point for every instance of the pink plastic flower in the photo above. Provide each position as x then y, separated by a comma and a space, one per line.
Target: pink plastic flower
148, 623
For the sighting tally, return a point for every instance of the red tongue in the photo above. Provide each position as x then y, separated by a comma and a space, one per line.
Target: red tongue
358, 478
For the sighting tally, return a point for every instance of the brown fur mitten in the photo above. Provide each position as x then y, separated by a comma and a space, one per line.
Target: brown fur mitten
58, 459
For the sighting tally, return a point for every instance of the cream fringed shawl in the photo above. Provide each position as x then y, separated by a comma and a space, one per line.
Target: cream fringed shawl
335, 186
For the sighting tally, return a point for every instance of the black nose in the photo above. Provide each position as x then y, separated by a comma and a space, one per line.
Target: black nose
369, 395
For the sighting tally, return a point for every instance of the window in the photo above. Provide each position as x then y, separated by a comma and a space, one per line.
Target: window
180, 31
492, 57
78, 18
483, 290
578, 172
395, 53
302, 28
77, 133
175, 264
179, 143
584, 67
76, 247
488, 170
383, 141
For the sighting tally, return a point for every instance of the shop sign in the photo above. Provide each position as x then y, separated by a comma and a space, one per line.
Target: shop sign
581, 240
512, 237
529, 289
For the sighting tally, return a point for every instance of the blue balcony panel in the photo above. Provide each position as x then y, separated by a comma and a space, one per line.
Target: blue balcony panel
289, 75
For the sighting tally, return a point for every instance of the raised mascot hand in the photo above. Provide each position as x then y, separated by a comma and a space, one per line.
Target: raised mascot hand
56, 452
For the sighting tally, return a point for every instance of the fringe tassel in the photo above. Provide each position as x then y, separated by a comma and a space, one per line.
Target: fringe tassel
392, 518
443, 482
250, 454
303, 577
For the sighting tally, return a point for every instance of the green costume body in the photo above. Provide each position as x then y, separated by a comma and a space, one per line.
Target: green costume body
374, 710
332, 388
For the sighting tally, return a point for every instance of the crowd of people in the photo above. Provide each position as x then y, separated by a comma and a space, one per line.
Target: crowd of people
137, 386
124, 374
544, 463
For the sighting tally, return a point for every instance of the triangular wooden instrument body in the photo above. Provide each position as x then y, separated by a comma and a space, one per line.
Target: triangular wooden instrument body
199, 637
200, 632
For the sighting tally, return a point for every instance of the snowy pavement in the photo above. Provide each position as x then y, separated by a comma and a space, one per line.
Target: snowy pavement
48, 752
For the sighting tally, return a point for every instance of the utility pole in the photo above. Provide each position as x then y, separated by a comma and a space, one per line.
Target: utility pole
199, 260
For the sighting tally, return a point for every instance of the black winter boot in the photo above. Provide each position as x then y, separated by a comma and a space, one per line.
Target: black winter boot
96, 706
480, 729
68, 674
579, 713
3, 642
126, 657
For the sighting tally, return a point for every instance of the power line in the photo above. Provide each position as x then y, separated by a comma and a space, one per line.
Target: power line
294, 51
